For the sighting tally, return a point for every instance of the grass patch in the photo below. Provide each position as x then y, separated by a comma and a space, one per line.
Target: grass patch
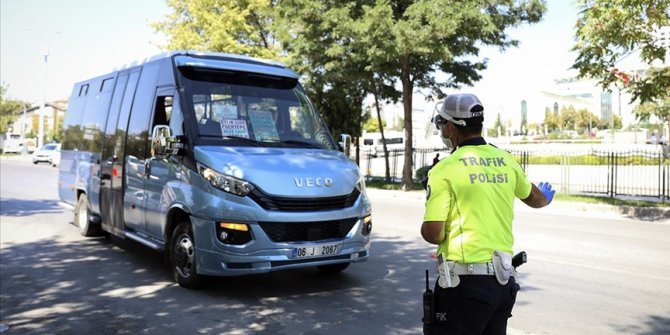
619, 159
381, 184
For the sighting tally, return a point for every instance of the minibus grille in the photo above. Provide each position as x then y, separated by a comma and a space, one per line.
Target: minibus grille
274, 203
307, 231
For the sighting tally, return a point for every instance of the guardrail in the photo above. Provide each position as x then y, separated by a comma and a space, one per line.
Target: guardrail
635, 171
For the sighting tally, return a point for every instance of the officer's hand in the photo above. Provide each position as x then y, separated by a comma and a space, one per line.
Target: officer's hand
545, 187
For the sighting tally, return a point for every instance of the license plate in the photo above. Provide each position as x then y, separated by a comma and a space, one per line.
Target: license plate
316, 250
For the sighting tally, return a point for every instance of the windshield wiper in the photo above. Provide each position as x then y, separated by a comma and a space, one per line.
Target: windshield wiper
308, 144
239, 138
247, 140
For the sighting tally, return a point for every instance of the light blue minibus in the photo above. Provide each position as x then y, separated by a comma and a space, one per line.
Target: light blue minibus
219, 160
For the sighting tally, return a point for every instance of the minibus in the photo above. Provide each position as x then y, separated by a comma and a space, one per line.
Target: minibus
220, 161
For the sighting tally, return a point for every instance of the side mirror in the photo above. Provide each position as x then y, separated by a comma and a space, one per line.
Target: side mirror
163, 143
345, 144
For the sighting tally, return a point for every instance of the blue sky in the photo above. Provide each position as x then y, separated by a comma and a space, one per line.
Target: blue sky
86, 38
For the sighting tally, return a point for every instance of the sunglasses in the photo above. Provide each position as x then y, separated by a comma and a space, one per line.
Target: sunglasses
439, 122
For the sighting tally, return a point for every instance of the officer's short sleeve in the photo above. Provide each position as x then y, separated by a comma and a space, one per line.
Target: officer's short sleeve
438, 197
523, 186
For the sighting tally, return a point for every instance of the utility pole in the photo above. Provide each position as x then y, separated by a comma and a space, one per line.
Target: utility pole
23, 123
40, 136
40, 133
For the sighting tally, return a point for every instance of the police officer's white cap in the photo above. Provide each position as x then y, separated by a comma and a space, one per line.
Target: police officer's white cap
458, 107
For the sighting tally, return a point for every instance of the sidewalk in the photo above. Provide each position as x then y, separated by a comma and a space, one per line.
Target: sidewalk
16, 157
660, 214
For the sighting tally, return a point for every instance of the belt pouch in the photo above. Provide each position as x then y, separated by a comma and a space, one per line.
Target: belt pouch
502, 266
447, 277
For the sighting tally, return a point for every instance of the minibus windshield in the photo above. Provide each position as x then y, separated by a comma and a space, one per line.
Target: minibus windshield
237, 109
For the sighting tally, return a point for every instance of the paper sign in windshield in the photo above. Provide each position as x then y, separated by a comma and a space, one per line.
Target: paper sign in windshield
224, 110
234, 128
264, 126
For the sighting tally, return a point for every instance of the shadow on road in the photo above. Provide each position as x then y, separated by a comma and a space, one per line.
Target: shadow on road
22, 207
105, 286
654, 324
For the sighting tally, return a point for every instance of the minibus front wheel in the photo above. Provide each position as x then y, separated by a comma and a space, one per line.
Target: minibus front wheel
182, 256
82, 217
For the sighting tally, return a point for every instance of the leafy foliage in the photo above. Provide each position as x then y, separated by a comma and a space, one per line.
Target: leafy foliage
581, 120
347, 50
237, 27
611, 30
372, 126
375, 43
9, 109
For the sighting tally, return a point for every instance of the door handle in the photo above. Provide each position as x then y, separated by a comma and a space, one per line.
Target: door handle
147, 168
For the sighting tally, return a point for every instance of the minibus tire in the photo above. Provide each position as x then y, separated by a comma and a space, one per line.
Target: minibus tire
181, 253
81, 215
332, 268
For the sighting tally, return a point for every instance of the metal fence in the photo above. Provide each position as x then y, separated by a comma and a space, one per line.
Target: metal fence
635, 171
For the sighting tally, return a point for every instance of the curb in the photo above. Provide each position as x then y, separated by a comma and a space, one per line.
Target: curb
653, 213
558, 207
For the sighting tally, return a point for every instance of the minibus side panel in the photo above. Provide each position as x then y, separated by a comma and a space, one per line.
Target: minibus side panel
136, 148
111, 183
72, 131
94, 121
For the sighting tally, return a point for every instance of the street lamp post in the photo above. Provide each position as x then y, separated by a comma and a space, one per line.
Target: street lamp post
40, 133
40, 136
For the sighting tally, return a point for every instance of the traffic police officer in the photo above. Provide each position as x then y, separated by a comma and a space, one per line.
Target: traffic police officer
469, 213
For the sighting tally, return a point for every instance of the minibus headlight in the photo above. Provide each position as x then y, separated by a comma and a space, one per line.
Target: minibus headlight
226, 183
360, 185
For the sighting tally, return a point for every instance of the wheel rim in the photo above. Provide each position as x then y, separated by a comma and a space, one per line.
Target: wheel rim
82, 216
184, 256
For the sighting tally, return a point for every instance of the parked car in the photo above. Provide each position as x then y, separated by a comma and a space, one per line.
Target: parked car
17, 145
49, 153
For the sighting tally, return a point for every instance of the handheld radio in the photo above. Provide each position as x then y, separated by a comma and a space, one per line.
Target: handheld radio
519, 259
428, 303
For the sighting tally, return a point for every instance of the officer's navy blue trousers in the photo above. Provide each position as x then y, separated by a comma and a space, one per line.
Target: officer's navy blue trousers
478, 305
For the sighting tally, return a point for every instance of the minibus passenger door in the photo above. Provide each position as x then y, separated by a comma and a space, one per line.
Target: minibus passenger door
161, 168
113, 151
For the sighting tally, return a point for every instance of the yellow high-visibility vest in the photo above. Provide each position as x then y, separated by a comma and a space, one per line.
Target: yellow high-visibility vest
473, 192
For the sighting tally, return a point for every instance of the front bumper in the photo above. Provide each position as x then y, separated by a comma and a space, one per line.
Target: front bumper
264, 255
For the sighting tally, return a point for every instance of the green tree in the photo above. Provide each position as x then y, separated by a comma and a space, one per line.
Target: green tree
659, 108
237, 27
617, 123
610, 30
567, 118
9, 109
552, 121
372, 125
348, 49
329, 42
409, 41
585, 120
249, 27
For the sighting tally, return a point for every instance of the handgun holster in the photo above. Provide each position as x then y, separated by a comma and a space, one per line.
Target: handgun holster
502, 266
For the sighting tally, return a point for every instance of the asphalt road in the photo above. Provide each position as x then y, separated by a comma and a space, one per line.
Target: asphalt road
592, 273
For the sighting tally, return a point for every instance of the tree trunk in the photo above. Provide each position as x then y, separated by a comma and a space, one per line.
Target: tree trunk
407, 88
387, 175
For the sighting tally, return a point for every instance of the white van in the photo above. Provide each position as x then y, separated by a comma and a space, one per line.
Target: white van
372, 142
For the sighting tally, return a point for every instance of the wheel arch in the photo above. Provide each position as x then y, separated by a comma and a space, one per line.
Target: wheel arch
175, 215
78, 193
